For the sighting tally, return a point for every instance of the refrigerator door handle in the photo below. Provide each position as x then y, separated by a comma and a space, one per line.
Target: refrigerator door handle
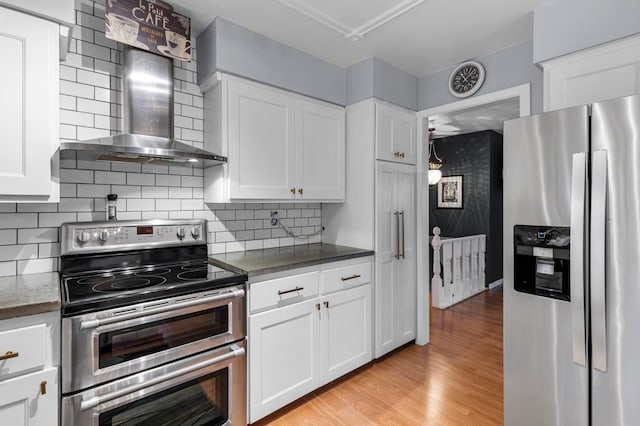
397, 255
577, 252
597, 260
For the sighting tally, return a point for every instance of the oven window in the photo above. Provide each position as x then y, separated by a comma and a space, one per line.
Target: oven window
130, 343
203, 401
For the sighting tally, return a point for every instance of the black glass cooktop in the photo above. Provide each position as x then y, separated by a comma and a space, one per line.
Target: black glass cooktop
108, 289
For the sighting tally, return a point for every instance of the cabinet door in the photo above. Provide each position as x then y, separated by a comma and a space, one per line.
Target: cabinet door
404, 136
283, 356
405, 270
386, 252
29, 108
22, 402
261, 150
345, 332
385, 117
395, 134
320, 151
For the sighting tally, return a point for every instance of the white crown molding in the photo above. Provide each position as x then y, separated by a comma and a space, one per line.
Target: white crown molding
350, 33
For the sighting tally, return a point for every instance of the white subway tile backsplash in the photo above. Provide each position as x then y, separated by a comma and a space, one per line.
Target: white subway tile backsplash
76, 89
179, 192
192, 181
155, 168
18, 220
48, 250
155, 192
76, 118
17, 252
192, 204
155, 215
36, 266
91, 190
49, 220
167, 180
8, 268
141, 179
181, 215
117, 166
91, 107
114, 178
123, 191
37, 208
37, 235
167, 204
8, 236
76, 176
76, 205
140, 204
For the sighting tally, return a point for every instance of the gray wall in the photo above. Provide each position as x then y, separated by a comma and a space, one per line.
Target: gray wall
504, 69
240, 51
374, 78
565, 26
478, 158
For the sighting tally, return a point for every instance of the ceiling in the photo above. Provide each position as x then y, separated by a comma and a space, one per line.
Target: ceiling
486, 117
418, 36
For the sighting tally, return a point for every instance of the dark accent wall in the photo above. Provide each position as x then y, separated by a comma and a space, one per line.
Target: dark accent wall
478, 158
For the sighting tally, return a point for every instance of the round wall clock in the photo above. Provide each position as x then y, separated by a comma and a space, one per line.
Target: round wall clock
466, 79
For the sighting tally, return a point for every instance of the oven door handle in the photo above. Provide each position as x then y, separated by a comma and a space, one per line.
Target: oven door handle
93, 402
230, 294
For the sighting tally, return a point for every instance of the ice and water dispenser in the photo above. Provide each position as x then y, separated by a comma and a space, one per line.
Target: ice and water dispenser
542, 260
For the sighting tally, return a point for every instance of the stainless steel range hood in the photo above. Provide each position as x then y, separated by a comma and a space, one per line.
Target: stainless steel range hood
148, 118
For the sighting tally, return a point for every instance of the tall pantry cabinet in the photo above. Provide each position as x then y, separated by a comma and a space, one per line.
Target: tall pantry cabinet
379, 213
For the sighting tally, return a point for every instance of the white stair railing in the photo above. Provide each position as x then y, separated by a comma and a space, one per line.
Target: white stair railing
462, 263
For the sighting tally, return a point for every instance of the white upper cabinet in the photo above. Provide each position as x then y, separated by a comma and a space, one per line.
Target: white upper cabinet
319, 165
280, 146
261, 136
29, 113
395, 134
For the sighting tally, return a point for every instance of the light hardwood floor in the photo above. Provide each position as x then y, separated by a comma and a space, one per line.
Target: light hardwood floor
455, 380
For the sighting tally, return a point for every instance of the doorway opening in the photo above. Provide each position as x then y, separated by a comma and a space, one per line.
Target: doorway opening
477, 114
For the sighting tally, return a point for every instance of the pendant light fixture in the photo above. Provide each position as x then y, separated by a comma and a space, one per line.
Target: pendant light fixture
435, 162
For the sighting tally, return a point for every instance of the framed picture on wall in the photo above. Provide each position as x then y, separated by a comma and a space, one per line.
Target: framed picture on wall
450, 192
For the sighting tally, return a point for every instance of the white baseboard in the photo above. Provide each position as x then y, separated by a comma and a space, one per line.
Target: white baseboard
496, 283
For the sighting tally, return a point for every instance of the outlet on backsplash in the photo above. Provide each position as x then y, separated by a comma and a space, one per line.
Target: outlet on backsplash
274, 218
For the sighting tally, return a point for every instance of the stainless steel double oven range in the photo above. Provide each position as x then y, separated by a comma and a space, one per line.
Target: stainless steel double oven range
151, 333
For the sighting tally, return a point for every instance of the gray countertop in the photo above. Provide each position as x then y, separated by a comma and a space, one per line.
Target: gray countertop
265, 261
29, 294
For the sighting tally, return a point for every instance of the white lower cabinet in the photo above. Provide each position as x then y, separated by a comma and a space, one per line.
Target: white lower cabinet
304, 343
29, 360
345, 332
31, 399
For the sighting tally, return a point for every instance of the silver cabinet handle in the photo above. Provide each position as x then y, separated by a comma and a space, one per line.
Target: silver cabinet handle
397, 255
234, 351
281, 292
402, 215
231, 294
576, 273
597, 255
351, 277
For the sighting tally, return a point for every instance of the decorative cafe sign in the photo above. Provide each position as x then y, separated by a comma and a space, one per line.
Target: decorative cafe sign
149, 25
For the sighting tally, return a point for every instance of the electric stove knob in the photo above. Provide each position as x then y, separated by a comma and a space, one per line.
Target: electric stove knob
195, 232
181, 233
83, 237
103, 236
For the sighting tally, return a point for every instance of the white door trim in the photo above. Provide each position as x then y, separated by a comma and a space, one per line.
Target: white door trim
523, 93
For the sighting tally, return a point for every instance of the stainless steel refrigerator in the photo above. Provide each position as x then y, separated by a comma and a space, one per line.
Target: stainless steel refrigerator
572, 353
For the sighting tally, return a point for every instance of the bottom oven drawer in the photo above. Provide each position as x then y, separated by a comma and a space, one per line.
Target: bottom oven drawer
204, 389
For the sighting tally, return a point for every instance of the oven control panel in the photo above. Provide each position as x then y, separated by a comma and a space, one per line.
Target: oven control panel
89, 236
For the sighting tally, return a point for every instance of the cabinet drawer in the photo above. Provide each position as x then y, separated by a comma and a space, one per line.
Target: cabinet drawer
28, 348
283, 291
345, 277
